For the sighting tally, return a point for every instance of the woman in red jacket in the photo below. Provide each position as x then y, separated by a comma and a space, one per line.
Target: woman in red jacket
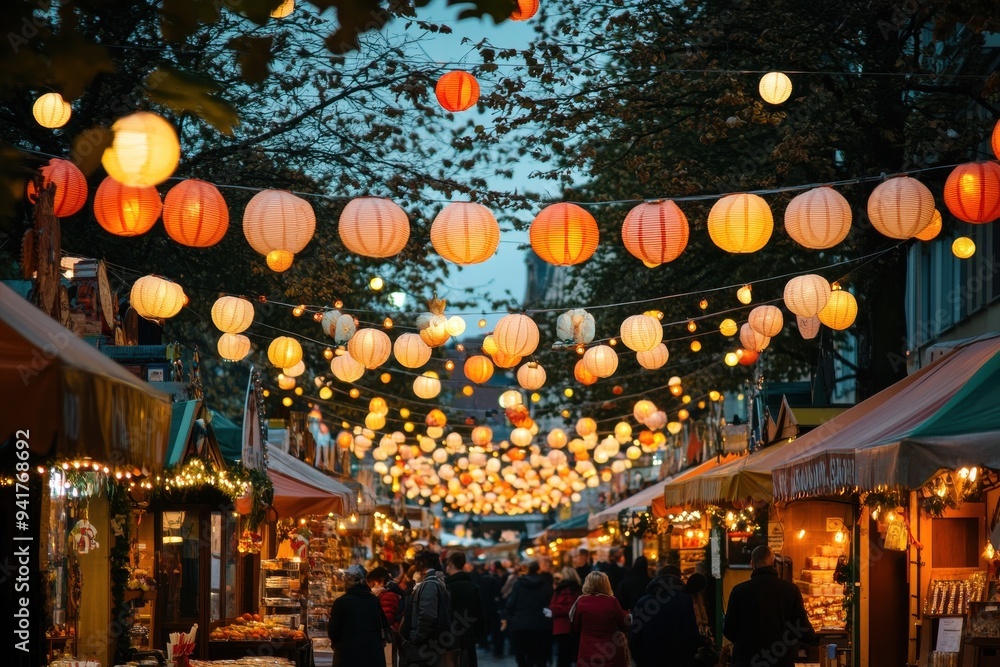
567, 641
602, 624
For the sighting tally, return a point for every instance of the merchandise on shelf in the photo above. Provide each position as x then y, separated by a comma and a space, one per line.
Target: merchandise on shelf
254, 630
822, 595
328, 556
949, 597
283, 591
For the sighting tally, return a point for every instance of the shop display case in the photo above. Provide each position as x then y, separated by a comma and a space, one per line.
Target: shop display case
327, 559
822, 594
283, 590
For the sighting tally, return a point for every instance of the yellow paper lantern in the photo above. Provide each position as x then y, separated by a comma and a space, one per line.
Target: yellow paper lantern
346, 369
808, 326
478, 369
284, 352
601, 360
641, 333
51, 110
744, 295
728, 327
516, 335
753, 340
465, 233
564, 234
411, 351
696, 346
277, 224
806, 295
840, 310
963, 247
931, 231
766, 320
232, 314
126, 211
740, 223
434, 331
531, 376
655, 232
195, 214
653, 359
582, 374
325, 393
643, 410
818, 219
901, 207
374, 421
455, 326
427, 386
144, 152
283, 10
287, 401
972, 192
586, 426
775, 87
374, 227
156, 298
482, 436
731, 359
370, 347
233, 346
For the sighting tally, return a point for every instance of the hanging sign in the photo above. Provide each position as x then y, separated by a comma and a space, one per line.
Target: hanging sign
776, 536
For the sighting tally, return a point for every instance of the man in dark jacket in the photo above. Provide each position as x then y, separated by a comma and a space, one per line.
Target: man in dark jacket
765, 619
427, 640
357, 625
530, 629
466, 607
489, 597
582, 564
634, 584
664, 623
613, 568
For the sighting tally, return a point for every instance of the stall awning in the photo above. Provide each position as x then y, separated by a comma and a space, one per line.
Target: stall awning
575, 526
660, 506
295, 498
280, 463
72, 400
643, 498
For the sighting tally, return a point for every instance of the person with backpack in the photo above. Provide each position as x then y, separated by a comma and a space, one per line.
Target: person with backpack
427, 638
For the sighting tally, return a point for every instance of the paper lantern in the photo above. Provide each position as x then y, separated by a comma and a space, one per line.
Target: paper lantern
840, 310
563, 234
277, 224
601, 360
972, 192
818, 219
995, 140
434, 331
576, 325
901, 207
766, 320
156, 298
653, 359
465, 233
482, 436
806, 295
370, 347
478, 369
510, 398
341, 327
656, 421
284, 352
749, 357
297, 370
374, 421
963, 247
585, 426
70, 187
623, 432
531, 376
195, 214
285, 383
931, 231
374, 227
728, 327
501, 360
557, 438
516, 335
808, 326
144, 152
283, 10
744, 295
753, 340
51, 110
411, 351
126, 211
775, 87
740, 223
232, 314
435, 419
427, 386
233, 346
582, 375
525, 10
520, 437
656, 232
455, 326
731, 359
346, 369
457, 91
641, 332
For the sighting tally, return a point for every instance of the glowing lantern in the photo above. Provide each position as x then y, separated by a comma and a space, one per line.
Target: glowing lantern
766, 320
233, 347
731, 359
501, 360
126, 211
744, 295
931, 231
465, 233
623, 432
436, 419
901, 207
457, 91
557, 438
70, 185
510, 398
231, 314
434, 331
641, 333
346, 369
325, 393
490, 345
340, 327
482, 436
283, 10
51, 110
144, 152
995, 140
516, 335
478, 369
673, 428
576, 325
520, 437
972, 192
563, 234
586, 426
195, 214
374, 421
806, 295
808, 326
277, 224
752, 340
840, 311
656, 421
963, 247
411, 351
818, 219
284, 352
455, 326
653, 359
378, 406
601, 361
374, 227
427, 386
525, 10
531, 376
156, 298
370, 347
728, 327
749, 357
582, 375
775, 87
296, 370
740, 223
643, 410
655, 232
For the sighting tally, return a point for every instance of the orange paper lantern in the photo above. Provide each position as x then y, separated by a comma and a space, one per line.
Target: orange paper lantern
457, 91
818, 219
465, 233
972, 192
740, 223
564, 234
656, 232
124, 210
931, 231
71, 187
525, 10
901, 208
582, 375
478, 369
195, 214
374, 227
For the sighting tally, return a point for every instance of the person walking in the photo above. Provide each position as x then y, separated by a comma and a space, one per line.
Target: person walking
358, 629
582, 564
529, 629
664, 622
765, 619
634, 584
567, 642
489, 597
466, 607
602, 624
427, 640
612, 567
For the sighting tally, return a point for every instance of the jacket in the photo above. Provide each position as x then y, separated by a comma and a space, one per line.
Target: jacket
615, 572
597, 618
425, 628
390, 599
766, 620
466, 608
530, 595
664, 624
356, 628
489, 596
562, 601
634, 584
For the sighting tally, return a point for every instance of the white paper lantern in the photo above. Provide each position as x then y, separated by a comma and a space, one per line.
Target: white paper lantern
808, 326
346, 369
601, 360
766, 320
411, 351
641, 332
370, 347
233, 347
753, 340
531, 376
427, 386
819, 218
806, 295
516, 335
653, 359
231, 314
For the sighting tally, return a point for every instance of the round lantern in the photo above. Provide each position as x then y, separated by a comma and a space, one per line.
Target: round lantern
731, 359
576, 325
156, 298
525, 10
411, 351
277, 224
656, 421
516, 335
70, 185
455, 326
465, 233
901, 207
233, 347
740, 223
931, 231
643, 410
563, 234
427, 386
434, 331
285, 383
126, 211
806, 295
482, 436
753, 340
818, 219
340, 327
478, 369
744, 295
374, 227
232, 314
296, 370
457, 91
378, 406
775, 87
840, 310
655, 232
557, 438
749, 357
144, 151
195, 214
284, 352
520, 437
374, 421
766, 320
52, 111
601, 360
623, 432
641, 333
972, 192
653, 359
531, 376
995, 140
963, 247
501, 360
728, 327
370, 347
436, 419
808, 326
510, 398
346, 369
582, 375
586, 426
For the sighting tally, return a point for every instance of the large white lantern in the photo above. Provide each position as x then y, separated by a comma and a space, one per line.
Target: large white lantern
145, 150
753, 340
806, 295
232, 314
601, 360
427, 386
531, 376
411, 351
653, 359
819, 218
346, 369
516, 335
156, 298
370, 347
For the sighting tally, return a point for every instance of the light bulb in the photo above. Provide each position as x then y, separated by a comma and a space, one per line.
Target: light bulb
376, 283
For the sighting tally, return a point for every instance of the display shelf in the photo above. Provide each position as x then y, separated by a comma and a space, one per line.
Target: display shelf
283, 591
